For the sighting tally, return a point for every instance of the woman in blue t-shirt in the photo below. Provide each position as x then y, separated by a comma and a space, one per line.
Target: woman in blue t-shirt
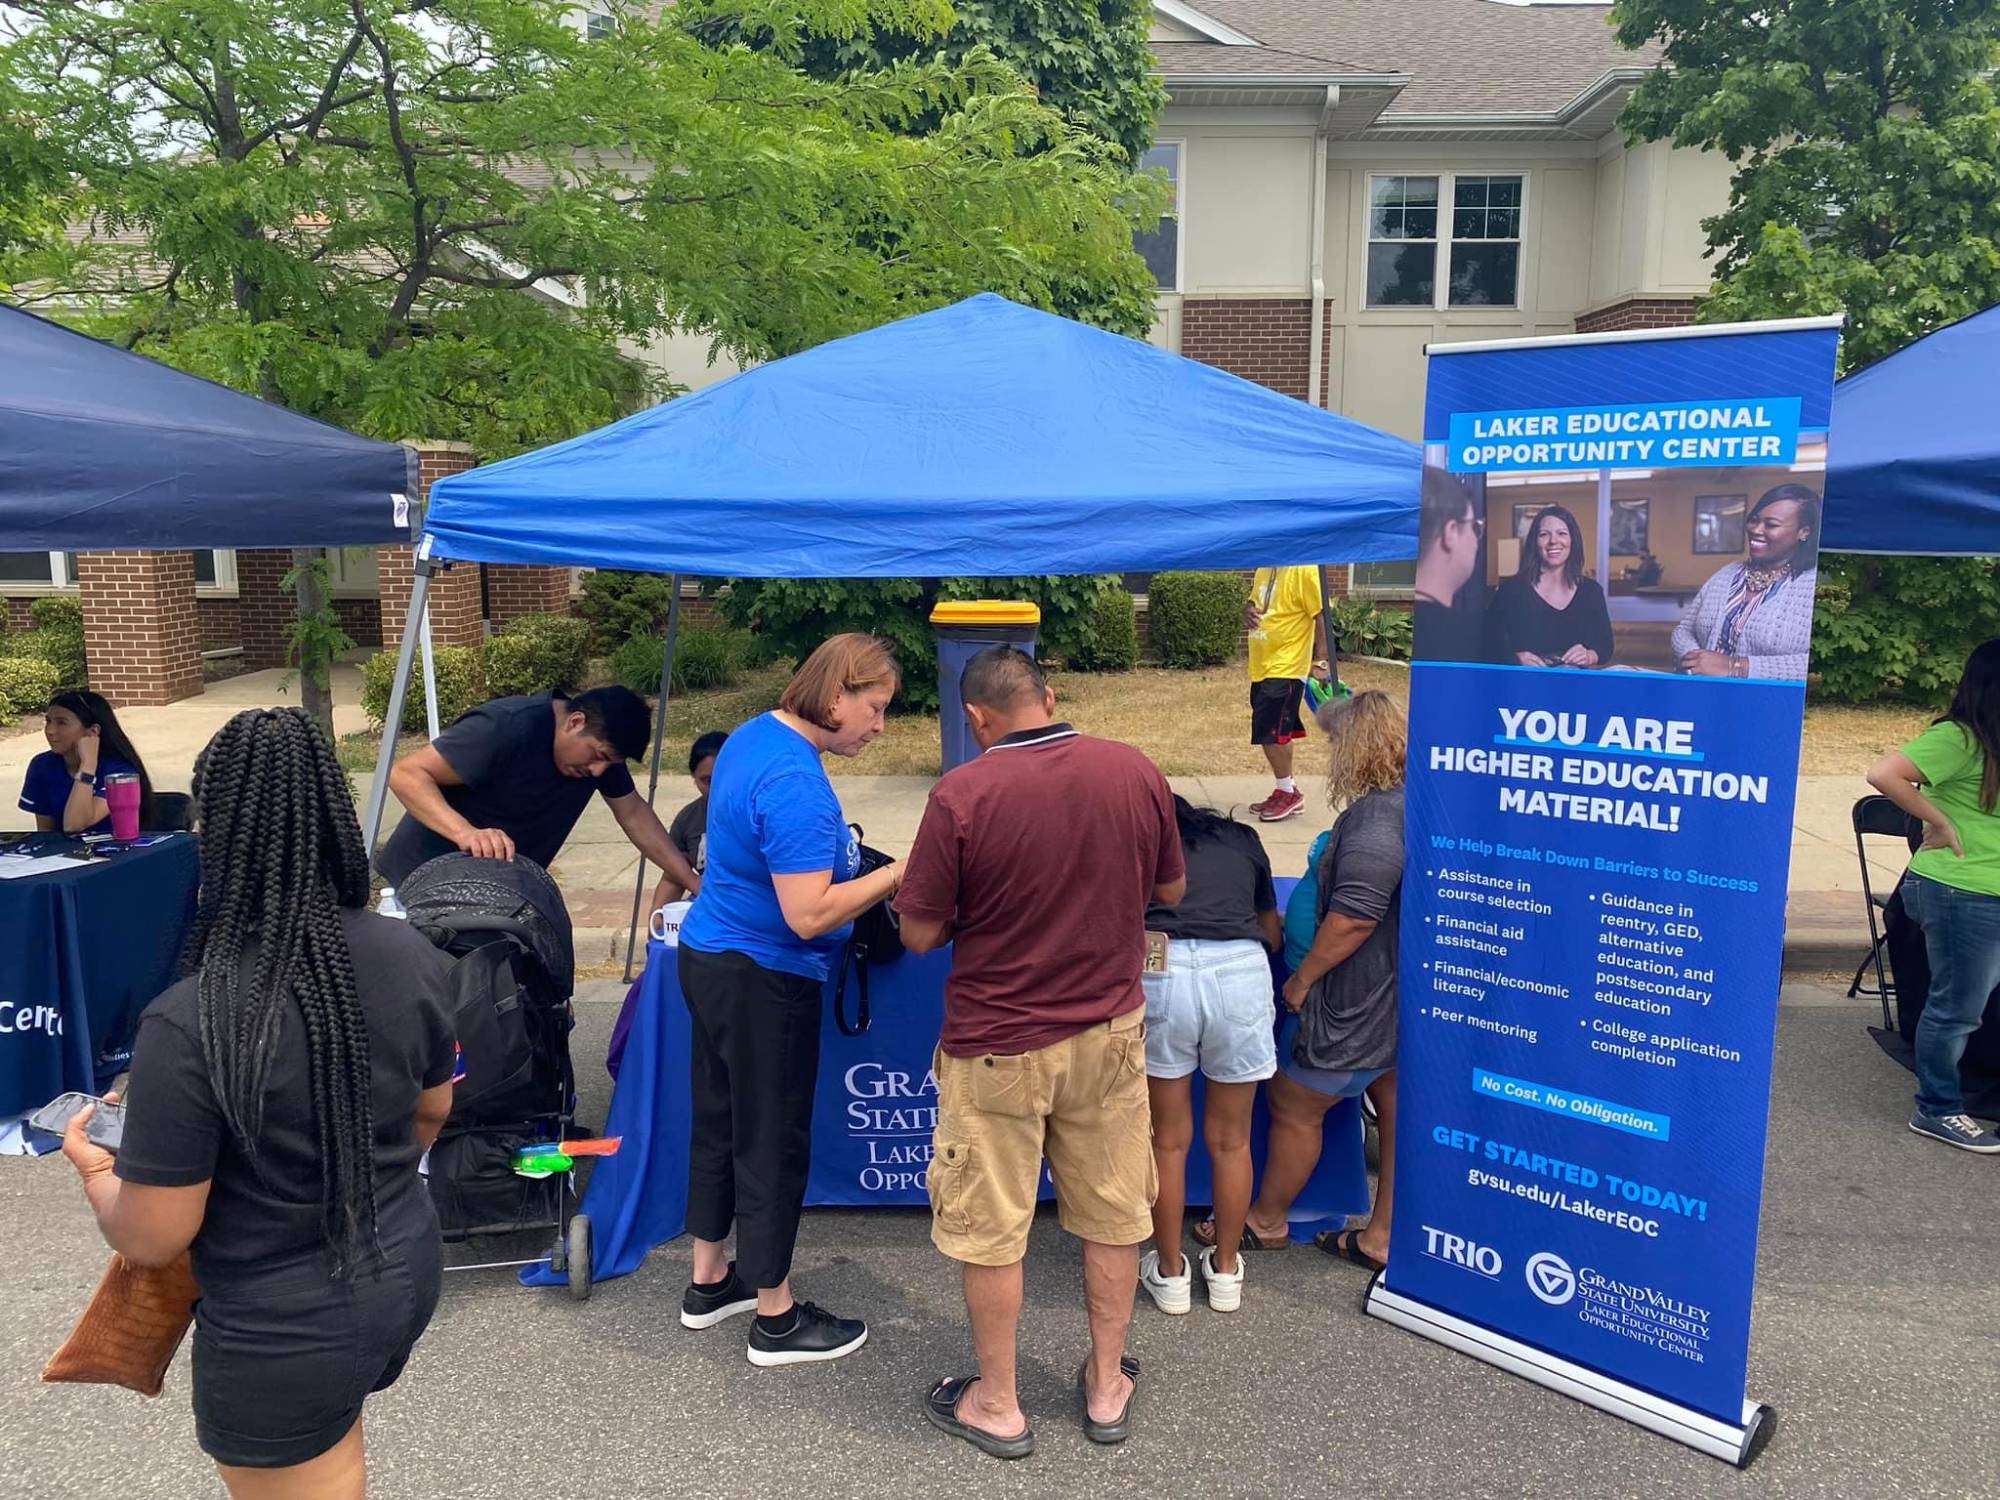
777, 901
64, 787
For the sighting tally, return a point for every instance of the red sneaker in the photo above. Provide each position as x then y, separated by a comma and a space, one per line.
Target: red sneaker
1279, 806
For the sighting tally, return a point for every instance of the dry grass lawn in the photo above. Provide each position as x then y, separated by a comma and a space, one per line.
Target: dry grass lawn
1198, 723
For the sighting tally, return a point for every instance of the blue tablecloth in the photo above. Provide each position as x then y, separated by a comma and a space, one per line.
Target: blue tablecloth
872, 1120
82, 952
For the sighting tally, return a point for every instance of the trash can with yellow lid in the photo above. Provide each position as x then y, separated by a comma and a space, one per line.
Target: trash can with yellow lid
966, 627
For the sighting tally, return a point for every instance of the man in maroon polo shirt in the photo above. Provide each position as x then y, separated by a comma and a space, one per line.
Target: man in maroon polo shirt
1037, 862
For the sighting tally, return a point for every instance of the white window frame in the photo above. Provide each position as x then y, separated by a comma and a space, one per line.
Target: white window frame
340, 586
60, 580
1441, 246
1178, 214
1356, 589
592, 32
224, 586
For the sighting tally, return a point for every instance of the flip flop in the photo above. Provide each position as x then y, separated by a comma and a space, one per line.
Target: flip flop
1204, 1234
941, 1406
1345, 1244
1119, 1427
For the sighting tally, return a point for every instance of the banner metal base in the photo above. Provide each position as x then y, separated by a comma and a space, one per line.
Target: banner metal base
1733, 1443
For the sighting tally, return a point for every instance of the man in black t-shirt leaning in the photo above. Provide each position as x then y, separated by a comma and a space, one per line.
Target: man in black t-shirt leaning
514, 775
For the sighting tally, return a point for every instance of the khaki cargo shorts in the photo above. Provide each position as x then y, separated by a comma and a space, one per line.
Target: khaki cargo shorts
1080, 1103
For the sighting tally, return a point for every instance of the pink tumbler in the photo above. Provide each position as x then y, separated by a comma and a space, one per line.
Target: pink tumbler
122, 792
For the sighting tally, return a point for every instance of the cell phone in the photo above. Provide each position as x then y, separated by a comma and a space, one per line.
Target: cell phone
106, 1127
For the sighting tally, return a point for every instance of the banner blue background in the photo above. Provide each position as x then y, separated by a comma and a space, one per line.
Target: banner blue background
1588, 1007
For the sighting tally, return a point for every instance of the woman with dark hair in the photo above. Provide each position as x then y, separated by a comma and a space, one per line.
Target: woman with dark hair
1339, 1036
1550, 614
1949, 777
1754, 618
64, 788
281, 1097
781, 893
689, 830
1210, 1008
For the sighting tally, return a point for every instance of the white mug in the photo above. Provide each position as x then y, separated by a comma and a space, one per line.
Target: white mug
666, 924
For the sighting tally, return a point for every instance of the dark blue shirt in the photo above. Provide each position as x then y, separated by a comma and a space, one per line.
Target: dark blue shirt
46, 790
771, 811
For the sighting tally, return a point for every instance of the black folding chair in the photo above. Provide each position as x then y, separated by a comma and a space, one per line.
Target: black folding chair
1878, 817
173, 812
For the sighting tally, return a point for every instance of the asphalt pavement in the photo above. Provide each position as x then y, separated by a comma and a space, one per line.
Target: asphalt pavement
1877, 1326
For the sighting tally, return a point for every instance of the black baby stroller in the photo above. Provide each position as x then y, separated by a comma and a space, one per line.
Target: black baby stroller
505, 923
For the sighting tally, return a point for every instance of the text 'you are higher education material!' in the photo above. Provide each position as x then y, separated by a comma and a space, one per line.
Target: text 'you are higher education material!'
1615, 578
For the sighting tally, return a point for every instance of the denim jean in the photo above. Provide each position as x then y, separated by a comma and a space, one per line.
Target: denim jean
1962, 937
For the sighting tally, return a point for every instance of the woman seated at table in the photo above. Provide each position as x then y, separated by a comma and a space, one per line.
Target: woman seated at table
1340, 1038
689, 830
1754, 619
1548, 614
64, 788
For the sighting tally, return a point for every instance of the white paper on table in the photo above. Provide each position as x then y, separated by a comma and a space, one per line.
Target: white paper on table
14, 866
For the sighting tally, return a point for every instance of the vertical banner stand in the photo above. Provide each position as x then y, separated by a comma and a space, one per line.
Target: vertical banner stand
1617, 556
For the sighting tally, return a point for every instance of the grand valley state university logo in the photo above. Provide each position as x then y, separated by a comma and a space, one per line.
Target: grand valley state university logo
1551, 1278
891, 1115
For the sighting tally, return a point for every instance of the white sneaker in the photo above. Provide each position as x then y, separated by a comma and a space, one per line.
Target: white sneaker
1225, 1288
1170, 1294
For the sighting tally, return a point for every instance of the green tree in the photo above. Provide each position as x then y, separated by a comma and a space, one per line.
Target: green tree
450, 218
1866, 138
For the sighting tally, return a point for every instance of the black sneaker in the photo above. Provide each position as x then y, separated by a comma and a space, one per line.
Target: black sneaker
815, 1334
705, 1308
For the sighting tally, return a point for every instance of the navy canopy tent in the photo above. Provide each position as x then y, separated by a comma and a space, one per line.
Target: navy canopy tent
982, 438
101, 448
1914, 463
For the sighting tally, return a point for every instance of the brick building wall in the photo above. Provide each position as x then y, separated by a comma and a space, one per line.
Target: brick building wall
360, 618
513, 590
1265, 339
265, 609
457, 610
141, 630
17, 614
1637, 312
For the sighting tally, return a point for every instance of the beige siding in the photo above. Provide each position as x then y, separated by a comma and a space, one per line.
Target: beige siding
1651, 201
1246, 203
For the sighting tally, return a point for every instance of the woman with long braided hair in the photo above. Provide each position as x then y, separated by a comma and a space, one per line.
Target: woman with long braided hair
281, 1097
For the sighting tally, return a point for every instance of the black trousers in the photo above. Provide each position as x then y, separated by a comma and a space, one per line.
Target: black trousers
753, 1068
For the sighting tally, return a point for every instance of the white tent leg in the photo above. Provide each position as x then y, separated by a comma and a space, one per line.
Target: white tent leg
430, 672
399, 692
659, 744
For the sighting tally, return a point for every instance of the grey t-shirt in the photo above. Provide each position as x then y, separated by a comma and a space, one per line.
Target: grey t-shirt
1349, 1019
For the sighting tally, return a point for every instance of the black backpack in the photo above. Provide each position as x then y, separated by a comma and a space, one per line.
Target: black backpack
877, 939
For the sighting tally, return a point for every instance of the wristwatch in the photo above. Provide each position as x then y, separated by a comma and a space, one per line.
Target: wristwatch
87, 778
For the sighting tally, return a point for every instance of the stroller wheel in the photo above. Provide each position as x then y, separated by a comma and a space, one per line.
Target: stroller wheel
579, 1257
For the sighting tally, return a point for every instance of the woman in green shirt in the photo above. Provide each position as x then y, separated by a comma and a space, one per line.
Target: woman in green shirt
1949, 776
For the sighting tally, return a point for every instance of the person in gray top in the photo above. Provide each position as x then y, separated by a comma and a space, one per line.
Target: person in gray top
1754, 618
1339, 1039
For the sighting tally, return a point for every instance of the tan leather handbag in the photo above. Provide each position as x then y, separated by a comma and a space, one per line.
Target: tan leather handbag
128, 1334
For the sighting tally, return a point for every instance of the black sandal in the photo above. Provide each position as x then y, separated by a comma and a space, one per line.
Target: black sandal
1203, 1234
1345, 1244
1119, 1427
941, 1406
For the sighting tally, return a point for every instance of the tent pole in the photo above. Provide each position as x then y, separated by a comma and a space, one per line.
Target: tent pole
430, 672
659, 745
1326, 621
399, 692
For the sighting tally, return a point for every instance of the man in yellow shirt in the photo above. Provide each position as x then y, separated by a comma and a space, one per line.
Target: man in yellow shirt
1287, 645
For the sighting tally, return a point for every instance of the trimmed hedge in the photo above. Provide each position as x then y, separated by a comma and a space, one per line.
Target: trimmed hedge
618, 606
26, 684
58, 645
535, 653
1196, 618
461, 686
1111, 634
57, 612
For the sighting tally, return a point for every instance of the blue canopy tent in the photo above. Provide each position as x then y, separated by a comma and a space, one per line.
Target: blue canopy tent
1914, 466
101, 448
982, 438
